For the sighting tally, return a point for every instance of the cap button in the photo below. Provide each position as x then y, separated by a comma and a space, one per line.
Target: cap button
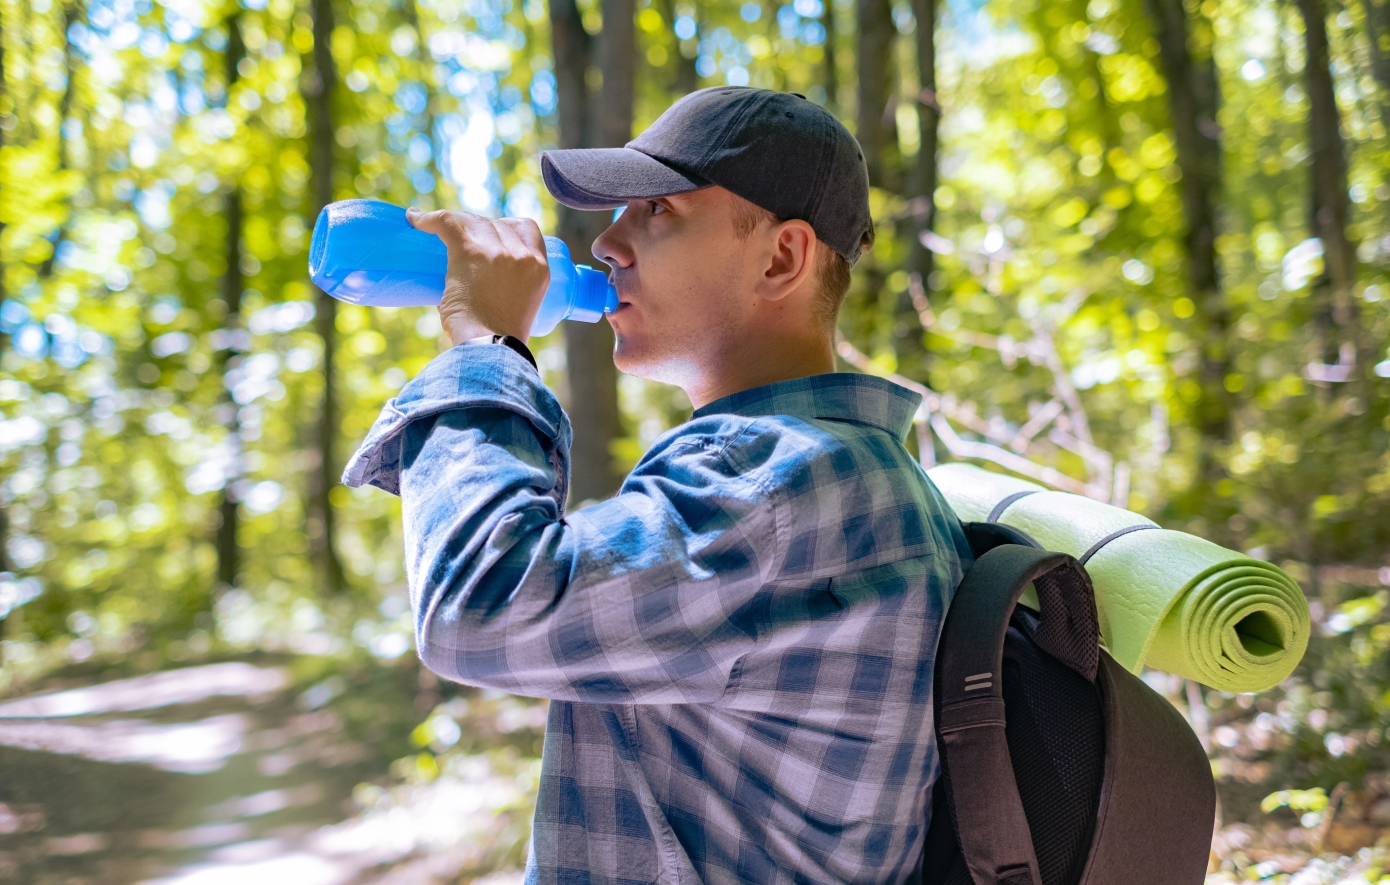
798, 95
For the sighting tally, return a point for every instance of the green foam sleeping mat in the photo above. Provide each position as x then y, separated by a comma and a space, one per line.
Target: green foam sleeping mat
1166, 599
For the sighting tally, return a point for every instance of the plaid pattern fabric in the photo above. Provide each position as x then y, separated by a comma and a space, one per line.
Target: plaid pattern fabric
738, 645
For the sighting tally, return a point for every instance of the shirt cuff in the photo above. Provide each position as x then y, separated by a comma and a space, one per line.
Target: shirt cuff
460, 378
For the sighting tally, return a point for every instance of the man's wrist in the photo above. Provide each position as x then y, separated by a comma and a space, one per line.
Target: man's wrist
460, 330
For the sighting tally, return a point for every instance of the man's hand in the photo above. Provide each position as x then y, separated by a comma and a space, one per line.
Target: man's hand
497, 273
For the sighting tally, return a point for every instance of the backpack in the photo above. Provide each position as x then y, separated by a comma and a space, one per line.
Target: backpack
1059, 767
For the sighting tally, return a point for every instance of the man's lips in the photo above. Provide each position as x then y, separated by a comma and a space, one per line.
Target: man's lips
617, 282
623, 302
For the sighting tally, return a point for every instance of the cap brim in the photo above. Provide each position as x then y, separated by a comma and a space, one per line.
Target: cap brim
606, 178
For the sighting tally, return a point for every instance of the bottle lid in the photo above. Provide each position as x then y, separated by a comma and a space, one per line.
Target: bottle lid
593, 296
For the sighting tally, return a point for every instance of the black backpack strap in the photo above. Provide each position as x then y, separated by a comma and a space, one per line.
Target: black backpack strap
986, 809
985, 536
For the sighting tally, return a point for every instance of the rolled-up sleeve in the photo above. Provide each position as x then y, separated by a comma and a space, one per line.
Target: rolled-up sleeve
649, 597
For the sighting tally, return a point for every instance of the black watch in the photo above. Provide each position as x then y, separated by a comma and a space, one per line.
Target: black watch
516, 344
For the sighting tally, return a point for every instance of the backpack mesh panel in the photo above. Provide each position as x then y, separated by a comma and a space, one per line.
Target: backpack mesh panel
1068, 631
1055, 729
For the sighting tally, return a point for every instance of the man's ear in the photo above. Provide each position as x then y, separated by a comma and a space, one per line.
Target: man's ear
792, 259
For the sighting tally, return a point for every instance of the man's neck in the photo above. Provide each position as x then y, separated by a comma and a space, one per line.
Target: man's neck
763, 362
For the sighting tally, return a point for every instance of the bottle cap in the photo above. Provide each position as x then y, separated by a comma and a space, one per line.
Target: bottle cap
593, 297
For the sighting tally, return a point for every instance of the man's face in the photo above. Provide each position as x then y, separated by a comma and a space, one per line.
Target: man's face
685, 284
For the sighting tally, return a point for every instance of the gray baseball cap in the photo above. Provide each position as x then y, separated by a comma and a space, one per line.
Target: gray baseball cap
775, 149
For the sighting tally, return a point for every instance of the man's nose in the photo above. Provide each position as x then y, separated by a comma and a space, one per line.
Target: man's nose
612, 247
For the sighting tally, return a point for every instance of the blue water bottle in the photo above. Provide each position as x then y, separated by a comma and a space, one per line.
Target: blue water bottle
366, 252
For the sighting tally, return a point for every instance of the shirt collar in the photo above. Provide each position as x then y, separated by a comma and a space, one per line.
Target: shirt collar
838, 396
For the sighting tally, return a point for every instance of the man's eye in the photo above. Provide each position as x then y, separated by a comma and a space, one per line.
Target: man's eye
657, 207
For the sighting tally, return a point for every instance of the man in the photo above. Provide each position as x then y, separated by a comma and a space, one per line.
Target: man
739, 644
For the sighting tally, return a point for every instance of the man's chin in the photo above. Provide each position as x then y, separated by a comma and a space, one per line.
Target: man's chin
627, 357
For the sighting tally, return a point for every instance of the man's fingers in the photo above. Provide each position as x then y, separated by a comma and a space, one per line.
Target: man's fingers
507, 237
446, 225
496, 275
480, 231
521, 237
454, 228
485, 235
528, 232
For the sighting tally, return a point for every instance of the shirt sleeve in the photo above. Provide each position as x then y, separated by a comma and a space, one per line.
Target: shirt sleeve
649, 597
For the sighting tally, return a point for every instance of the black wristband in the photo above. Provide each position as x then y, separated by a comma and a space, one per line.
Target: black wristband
517, 345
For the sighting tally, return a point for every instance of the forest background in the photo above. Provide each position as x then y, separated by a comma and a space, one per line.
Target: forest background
1138, 249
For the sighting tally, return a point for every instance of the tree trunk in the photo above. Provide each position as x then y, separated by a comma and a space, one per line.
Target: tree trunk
873, 118
686, 77
615, 54
4, 339
4, 564
830, 67
72, 13
571, 47
1330, 204
4, 289
1193, 101
319, 85
228, 508
910, 344
875, 125
228, 553
4, 92
1380, 62
23, 96
600, 119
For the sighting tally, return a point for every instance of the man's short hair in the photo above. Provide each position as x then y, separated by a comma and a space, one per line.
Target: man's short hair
832, 270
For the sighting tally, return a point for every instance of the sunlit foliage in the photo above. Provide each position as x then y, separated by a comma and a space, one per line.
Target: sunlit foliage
127, 123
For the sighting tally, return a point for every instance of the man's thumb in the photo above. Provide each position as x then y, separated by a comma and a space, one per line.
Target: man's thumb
429, 222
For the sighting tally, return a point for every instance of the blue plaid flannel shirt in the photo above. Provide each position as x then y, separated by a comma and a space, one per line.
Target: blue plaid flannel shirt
738, 646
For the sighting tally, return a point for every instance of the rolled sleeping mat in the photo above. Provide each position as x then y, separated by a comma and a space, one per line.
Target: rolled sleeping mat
1166, 600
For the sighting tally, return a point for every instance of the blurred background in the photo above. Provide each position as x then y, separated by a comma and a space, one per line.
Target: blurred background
1138, 249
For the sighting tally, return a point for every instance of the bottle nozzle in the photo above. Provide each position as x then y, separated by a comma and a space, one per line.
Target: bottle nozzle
593, 296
